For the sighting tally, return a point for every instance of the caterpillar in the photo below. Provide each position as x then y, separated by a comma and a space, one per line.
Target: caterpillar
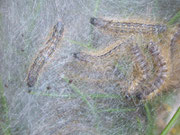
84, 56
127, 27
174, 40
143, 67
175, 57
44, 54
153, 87
167, 63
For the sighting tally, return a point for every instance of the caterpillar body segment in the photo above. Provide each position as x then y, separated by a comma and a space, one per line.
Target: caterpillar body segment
44, 54
35, 70
127, 27
140, 59
152, 88
161, 77
142, 64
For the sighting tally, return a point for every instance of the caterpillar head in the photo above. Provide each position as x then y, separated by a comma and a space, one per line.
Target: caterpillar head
58, 30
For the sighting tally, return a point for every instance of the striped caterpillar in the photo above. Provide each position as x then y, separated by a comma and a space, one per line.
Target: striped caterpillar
167, 63
44, 54
142, 64
84, 56
127, 27
174, 40
175, 57
153, 87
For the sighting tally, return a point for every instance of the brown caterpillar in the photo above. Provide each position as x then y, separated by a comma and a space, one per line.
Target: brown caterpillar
167, 62
174, 40
43, 56
142, 65
84, 56
175, 57
154, 86
127, 27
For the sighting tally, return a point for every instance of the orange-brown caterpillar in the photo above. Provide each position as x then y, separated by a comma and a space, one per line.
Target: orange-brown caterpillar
84, 56
142, 64
154, 86
43, 56
127, 27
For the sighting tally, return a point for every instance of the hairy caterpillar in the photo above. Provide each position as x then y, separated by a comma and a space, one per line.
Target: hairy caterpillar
44, 54
154, 86
166, 62
127, 27
174, 40
84, 56
141, 62
175, 57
